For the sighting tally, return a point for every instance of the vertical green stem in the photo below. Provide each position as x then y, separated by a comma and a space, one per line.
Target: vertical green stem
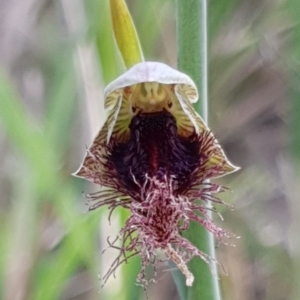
192, 46
192, 60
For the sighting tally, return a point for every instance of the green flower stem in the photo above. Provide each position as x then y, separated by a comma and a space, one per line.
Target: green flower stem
192, 60
192, 46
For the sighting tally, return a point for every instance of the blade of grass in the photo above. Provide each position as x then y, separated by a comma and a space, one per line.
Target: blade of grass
125, 33
192, 59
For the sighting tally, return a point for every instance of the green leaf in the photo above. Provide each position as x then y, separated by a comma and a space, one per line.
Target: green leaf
125, 33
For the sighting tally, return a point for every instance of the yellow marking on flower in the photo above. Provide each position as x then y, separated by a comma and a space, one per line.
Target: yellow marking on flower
149, 97
125, 33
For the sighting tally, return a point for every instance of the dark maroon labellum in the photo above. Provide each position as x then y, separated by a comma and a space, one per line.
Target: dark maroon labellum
155, 149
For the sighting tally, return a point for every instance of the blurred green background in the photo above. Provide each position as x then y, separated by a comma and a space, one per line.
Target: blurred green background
55, 59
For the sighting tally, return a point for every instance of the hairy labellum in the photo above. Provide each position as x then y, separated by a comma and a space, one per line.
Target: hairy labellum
154, 156
156, 223
165, 175
160, 177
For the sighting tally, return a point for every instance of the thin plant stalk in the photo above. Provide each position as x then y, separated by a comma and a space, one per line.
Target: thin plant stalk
192, 47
